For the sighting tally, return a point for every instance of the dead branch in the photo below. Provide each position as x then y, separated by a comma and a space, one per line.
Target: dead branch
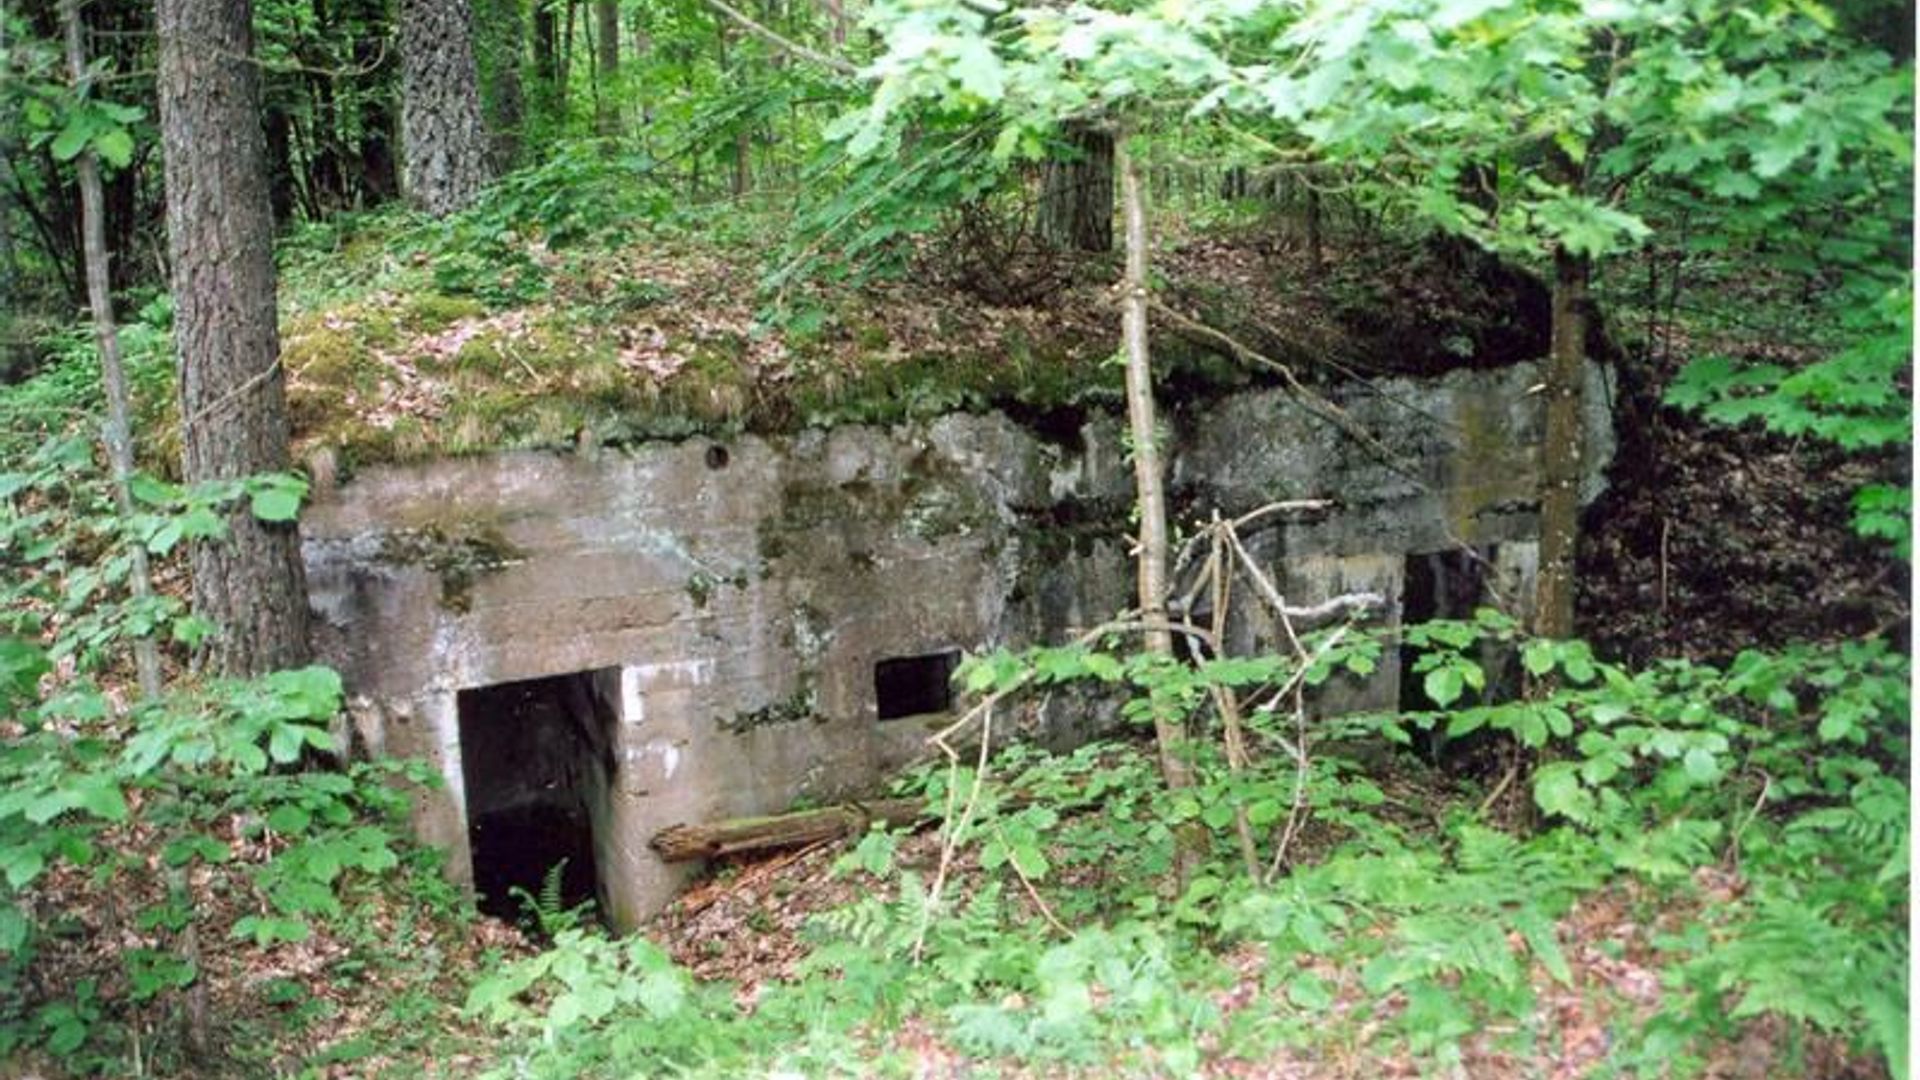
784, 44
688, 842
1313, 401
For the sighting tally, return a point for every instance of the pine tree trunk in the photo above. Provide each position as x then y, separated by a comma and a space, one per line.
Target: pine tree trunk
1076, 202
1149, 477
444, 140
232, 393
1564, 442
606, 15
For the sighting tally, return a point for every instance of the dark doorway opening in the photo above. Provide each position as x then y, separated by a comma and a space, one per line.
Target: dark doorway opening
537, 760
915, 685
1438, 585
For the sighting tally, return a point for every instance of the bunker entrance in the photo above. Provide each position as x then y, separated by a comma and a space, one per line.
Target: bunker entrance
1439, 585
537, 759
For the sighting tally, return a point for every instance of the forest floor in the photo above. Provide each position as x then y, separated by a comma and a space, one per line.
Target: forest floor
1709, 540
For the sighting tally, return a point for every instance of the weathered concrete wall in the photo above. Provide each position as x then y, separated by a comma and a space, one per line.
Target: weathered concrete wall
745, 591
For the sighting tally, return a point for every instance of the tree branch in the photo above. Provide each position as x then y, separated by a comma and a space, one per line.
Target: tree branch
784, 44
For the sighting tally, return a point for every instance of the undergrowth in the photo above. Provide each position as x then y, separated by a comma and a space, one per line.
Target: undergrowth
1764, 802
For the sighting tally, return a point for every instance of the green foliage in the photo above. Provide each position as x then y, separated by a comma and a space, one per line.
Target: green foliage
135, 797
546, 911
1790, 765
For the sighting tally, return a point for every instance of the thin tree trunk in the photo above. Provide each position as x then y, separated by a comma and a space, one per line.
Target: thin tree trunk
113, 375
1316, 251
445, 140
500, 25
377, 179
743, 138
642, 52
546, 54
9, 257
232, 391
1148, 473
1561, 457
607, 15
281, 195
119, 440
566, 56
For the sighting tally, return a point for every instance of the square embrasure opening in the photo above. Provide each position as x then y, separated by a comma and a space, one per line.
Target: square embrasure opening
537, 760
915, 685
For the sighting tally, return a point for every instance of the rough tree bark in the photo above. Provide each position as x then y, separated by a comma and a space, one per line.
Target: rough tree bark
1076, 200
1149, 477
232, 392
444, 141
1564, 443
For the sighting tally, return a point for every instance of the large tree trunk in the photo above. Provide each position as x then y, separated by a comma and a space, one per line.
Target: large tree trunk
444, 141
606, 17
1076, 201
1149, 478
232, 393
1564, 439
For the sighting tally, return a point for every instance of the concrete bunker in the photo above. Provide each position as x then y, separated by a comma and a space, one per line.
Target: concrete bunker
696, 636
537, 770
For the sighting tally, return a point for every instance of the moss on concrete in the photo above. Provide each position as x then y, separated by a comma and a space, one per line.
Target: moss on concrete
458, 552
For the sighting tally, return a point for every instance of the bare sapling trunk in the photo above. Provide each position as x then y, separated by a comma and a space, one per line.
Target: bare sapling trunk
113, 375
1149, 479
1564, 442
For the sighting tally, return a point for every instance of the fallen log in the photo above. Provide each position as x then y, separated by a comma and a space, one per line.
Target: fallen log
685, 843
